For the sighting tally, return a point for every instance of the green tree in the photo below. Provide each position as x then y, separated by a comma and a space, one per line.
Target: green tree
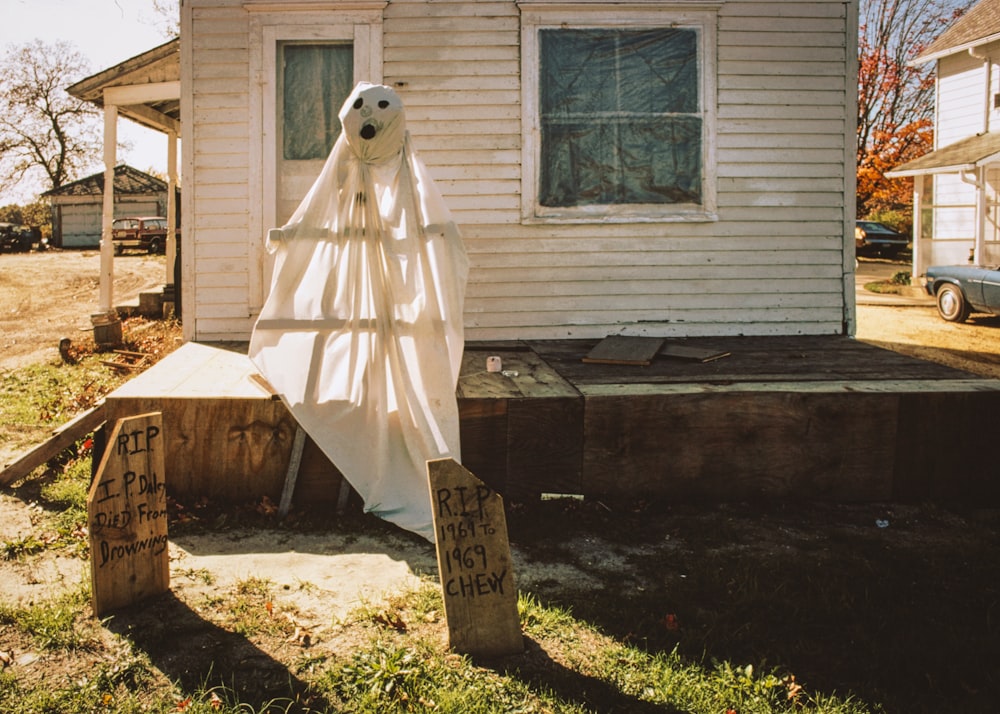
46, 135
37, 213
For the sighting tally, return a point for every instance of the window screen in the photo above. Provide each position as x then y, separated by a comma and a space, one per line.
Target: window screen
620, 117
316, 79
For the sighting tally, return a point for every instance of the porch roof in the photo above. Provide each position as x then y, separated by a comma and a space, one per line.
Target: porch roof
963, 155
146, 88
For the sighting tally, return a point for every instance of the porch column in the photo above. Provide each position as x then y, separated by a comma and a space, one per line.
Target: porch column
171, 207
107, 326
978, 251
917, 269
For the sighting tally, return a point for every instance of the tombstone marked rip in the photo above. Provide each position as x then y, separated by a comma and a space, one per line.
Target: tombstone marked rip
127, 516
474, 563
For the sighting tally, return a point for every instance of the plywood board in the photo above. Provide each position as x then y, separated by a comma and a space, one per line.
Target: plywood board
474, 563
127, 516
625, 350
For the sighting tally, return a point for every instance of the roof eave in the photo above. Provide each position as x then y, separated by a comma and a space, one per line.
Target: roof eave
964, 47
904, 172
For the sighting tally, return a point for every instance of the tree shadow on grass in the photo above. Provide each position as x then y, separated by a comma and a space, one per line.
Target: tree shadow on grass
892, 604
198, 655
539, 670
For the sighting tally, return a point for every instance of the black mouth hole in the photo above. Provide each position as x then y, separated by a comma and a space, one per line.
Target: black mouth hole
368, 131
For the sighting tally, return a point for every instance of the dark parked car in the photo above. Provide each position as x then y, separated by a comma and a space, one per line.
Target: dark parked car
961, 289
148, 233
18, 238
873, 238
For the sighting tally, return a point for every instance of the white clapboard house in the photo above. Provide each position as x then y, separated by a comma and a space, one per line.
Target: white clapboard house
955, 209
642, 167
665, 170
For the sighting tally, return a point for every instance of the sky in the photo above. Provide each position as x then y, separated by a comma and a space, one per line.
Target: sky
106, 32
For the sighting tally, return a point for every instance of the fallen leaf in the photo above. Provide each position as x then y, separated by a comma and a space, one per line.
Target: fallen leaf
390, 620
214, 701
183, 704
794, 688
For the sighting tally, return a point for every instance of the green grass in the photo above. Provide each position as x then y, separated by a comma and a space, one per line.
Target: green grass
51, 624
833, 616
569, 666
43, 396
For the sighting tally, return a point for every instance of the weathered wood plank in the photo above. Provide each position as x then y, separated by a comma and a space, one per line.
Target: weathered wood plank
474, 562
734, 446
62, 438
544, 446
624, 350
751, 359
127, 516
941, 453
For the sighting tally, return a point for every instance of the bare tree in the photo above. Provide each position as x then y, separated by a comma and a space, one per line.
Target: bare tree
45, 134
168, 15
895, 100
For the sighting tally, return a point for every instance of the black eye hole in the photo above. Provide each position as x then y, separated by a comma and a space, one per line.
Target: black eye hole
383, 104
359, 102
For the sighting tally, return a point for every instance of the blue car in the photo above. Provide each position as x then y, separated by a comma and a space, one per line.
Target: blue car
961, 289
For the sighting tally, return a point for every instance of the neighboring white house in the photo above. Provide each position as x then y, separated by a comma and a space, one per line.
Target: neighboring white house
956, 215
646, 167
77, 206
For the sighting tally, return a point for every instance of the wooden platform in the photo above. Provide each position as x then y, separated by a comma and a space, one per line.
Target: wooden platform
777, 417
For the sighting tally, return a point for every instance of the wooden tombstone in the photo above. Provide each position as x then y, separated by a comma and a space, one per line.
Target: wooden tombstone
127, 516
474, 563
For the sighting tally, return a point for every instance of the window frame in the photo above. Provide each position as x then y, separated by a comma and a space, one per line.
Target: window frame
270, 25
281, 90
546, 15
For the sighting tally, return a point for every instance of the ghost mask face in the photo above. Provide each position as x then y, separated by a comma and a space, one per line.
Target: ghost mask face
372, 118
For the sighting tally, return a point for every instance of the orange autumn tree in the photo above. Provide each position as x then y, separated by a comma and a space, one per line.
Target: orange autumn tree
895, 99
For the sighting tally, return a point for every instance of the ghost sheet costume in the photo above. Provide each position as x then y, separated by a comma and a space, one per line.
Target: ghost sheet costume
362, 331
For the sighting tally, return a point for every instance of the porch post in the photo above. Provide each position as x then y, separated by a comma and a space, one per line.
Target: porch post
917, 269
108, 210
978, 252
107, 326
171, 207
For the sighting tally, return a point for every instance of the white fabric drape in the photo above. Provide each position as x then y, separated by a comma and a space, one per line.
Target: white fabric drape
362, 331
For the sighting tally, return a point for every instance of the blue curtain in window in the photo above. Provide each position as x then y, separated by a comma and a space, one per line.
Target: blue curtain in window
620, 117
316, 81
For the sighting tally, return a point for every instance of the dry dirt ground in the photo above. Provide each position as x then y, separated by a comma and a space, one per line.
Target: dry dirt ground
321, 576
45, 296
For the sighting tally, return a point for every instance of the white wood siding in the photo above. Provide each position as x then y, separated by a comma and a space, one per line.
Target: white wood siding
215, 254
773, 263
960, 114
960, 97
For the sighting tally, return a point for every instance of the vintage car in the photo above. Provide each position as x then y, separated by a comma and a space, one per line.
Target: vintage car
962, 289
148, 233
874, 238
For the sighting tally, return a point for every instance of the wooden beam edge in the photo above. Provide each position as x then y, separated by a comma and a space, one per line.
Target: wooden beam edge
77, 427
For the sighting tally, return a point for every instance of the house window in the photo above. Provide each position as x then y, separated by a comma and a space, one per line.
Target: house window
315, 81
620, 117
620, 114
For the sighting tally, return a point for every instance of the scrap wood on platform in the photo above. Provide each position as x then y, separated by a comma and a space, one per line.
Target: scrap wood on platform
639, 350
553, 426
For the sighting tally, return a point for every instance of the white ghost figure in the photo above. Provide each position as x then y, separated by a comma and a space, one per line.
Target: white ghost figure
362, 331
